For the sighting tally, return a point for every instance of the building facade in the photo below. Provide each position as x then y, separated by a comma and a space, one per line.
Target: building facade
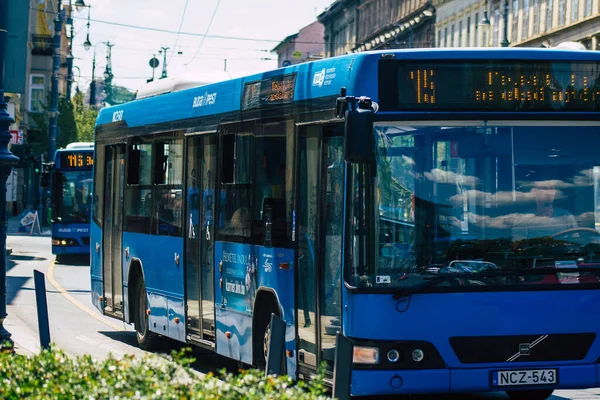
306, 45
362, 25
29, 106
530, 23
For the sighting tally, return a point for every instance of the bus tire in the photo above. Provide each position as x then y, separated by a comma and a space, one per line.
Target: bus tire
541, 394
262, 338
146, 340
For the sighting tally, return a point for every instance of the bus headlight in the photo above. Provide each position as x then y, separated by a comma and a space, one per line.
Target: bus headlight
418, 355
55, 242
393, 355
365, 355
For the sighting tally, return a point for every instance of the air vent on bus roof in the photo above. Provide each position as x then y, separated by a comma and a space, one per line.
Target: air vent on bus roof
570, 46
168, 85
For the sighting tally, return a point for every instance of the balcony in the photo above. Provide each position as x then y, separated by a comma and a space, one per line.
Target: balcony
42, 45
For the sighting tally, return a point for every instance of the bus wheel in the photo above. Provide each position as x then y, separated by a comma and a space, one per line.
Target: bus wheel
146, 339
542, 394
263, 338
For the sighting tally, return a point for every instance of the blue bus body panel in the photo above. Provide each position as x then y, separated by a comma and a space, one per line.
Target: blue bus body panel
356, 72
163, 278
242, 270
182, 105
437, 317
96, 265
456, 380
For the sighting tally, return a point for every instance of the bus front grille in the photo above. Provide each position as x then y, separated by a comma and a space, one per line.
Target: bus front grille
522, 348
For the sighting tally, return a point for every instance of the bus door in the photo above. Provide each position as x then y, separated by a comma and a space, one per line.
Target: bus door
199, 236
114, 172
320, 204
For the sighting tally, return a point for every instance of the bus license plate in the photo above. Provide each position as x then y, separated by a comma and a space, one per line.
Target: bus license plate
525, 377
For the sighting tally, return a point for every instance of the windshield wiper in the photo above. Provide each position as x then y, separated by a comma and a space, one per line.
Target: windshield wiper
430, 282
436, 280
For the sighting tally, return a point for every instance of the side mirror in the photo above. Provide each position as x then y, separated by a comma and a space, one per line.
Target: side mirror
359, 140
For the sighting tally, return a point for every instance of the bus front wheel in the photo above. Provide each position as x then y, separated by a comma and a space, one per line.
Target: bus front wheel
146, 339
529, 394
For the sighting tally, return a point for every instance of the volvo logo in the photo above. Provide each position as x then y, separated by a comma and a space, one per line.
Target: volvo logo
525, 348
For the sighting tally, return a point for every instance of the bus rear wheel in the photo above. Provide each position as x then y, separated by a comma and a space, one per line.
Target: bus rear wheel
146, 340
542, 394
263, 337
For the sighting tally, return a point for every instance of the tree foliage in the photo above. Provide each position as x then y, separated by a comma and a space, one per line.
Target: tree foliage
85, 118
75, 124
121, 95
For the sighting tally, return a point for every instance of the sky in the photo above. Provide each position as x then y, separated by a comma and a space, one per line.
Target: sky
242, 32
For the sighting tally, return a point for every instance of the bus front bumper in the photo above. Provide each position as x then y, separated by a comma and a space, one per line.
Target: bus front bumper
404, 382
58, 250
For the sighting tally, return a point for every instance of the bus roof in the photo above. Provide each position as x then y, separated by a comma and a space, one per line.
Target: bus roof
357, 72
79, 145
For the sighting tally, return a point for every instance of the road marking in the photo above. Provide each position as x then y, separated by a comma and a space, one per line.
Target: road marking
77, 304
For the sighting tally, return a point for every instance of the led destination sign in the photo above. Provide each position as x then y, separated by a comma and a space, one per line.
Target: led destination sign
277, 90
497, 85
76, 160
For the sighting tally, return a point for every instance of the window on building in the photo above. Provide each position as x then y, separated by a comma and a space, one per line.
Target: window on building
536, 17
452, 36
574, 10
549, 14
439, 41
468, 31
562, 12
496, 25
476, 38
588, 8
37, 93
460, 34
515, 21
445, 36
525, 28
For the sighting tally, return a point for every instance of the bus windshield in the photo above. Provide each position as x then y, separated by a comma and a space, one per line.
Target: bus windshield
73, 196
483, 204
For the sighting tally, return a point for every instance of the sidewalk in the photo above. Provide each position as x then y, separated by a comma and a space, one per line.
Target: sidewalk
12, 229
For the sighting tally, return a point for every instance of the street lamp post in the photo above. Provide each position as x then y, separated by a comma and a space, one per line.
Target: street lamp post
58, 21
505, 41
7, 161
107, 72
485, 26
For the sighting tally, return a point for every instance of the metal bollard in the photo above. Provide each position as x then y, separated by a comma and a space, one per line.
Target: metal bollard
342, 370
275, 356
42, 308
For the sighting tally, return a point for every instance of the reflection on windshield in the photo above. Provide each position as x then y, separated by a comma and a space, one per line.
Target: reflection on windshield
75, 196
482, 200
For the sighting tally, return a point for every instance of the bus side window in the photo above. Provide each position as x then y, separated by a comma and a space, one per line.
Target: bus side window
235, 214
138, 193
273, 166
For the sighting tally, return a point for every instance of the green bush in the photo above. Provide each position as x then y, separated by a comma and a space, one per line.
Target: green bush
54, 375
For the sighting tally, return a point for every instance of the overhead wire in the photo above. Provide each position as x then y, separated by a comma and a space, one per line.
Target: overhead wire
205, 33
179, 30
150, 29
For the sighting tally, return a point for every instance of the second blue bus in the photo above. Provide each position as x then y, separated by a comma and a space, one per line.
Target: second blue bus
71, 199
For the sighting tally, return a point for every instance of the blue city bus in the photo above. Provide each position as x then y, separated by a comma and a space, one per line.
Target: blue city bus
438, 207
71, 199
